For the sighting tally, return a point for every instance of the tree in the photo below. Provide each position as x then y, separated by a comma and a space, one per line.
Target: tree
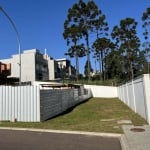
76, 51
126, 38
146, 46
91, 18
140, 66
83, 18
114, 64
73, 34
101, 48
146, 26
146, 22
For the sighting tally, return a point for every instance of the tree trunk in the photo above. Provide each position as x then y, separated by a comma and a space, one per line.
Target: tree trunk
102, 65
88, 56
130, 61
77, 66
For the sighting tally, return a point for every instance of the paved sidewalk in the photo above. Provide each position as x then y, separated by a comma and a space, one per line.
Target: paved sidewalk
136, 137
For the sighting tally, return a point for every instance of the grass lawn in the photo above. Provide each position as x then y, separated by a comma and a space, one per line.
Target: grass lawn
94, 115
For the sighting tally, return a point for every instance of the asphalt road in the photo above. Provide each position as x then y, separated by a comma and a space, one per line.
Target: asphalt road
29, 140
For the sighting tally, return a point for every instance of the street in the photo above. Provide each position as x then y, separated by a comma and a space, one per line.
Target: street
29, 140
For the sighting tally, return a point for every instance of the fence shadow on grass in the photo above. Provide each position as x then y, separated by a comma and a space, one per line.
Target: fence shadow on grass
69, 109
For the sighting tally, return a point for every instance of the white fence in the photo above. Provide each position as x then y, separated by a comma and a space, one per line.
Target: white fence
136, 94
103, 91
20, 103
31, 104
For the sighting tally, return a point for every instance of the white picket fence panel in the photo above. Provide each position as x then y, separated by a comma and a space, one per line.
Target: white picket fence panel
19, 103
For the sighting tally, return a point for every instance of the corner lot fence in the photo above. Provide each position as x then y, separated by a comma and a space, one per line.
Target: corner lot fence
32, 104
136, 94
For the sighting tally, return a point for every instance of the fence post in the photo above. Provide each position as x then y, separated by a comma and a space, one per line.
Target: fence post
134, 95
128, 101
146, 79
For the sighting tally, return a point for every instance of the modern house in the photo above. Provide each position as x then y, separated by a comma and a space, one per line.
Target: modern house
38, 67
65, 69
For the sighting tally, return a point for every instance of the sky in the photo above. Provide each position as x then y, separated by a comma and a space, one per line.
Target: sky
40, 24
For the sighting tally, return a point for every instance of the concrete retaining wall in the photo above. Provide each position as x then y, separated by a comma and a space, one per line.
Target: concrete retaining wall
54, 102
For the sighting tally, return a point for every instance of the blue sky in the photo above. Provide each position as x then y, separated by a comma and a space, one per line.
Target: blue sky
40, 23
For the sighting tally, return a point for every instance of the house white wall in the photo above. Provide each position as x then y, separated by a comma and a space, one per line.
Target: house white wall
15, 66
32, 63
51, 67
28, 66
36, 66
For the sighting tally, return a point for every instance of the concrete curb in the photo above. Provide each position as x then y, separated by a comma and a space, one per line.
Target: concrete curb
124, 143
121, 137
66, 132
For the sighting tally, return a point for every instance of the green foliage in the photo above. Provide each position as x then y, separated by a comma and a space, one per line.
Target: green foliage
101, 47
94, 81
146, 22
83, 19
128, 44
114, 62
122, 60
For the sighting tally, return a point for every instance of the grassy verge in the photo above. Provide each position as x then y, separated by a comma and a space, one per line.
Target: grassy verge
95, 115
